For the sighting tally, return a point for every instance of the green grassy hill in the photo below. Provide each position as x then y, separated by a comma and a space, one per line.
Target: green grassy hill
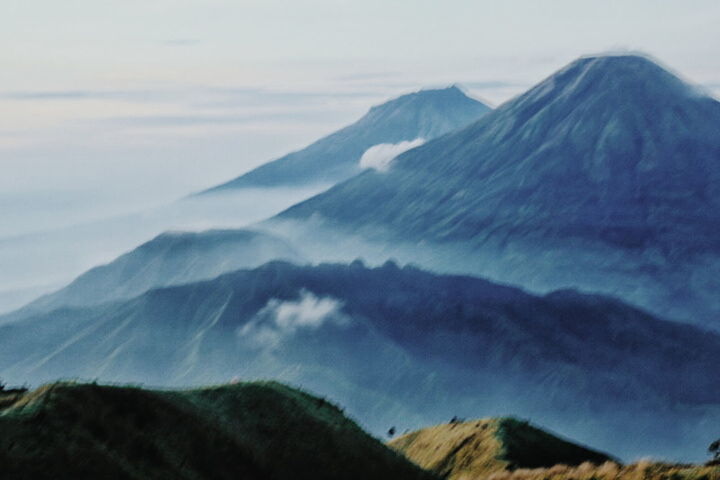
478, 448
241, 431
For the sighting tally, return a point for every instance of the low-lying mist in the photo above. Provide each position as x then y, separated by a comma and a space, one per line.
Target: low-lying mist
640, 278
40, 262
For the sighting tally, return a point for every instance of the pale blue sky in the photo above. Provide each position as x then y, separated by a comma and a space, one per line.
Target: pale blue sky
154, 98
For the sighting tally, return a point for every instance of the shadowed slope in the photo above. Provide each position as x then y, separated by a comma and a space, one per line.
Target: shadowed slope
250, 431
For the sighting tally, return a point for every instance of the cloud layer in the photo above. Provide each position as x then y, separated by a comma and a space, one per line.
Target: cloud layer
380, 156
279, 320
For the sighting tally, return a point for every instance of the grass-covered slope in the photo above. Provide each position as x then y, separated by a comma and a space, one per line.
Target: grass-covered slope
477, 448
241, 431
642, 470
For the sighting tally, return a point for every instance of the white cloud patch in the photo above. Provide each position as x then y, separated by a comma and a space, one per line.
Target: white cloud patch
280, 319
380, 156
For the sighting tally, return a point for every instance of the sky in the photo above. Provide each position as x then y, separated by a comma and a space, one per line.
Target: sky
116, 105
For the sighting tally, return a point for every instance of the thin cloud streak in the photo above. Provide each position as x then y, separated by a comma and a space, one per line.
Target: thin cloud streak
74, 95
181, 42
200, 119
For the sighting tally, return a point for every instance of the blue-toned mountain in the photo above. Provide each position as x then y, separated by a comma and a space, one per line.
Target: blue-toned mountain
400, 346
604, 175
425, 115
172, 258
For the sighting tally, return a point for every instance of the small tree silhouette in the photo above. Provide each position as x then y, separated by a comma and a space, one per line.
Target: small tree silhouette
714, 450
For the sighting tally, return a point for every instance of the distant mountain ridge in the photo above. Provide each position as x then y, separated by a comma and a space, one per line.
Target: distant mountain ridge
425, 114
178, 257
612, 157
399, 346
171, 258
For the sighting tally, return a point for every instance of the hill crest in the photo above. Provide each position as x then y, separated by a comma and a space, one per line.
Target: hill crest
252, 430
476, 448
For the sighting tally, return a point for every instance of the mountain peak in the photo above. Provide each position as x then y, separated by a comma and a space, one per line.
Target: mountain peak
627, 67
442, 98
453, 90
622, 58
425, 114
619, 77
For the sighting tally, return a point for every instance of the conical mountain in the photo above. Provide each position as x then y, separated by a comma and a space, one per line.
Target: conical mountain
425, 115
478, 448
610, 154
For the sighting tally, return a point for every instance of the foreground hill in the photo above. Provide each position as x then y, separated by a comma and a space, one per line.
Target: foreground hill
426, 114
249, 430
401, 346
475, 449
172, 258
604, 176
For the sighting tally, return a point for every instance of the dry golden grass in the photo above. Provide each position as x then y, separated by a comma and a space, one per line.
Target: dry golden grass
9, 399
643, 470
483, 450
478, 448
18, 399
455, 450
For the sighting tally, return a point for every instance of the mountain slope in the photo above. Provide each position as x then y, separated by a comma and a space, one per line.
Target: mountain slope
613, 161
475, 449
425, 114
171, 258
251, 430
400, 346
